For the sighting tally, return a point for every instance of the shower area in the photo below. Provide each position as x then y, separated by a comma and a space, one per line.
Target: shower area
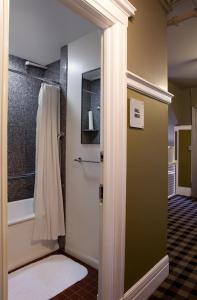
53, 151
25, 82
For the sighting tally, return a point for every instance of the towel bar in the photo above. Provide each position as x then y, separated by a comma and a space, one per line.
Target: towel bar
80, 160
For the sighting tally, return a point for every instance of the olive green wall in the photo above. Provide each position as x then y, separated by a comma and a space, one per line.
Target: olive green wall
194, 96
179, 110
146, 211
147, 46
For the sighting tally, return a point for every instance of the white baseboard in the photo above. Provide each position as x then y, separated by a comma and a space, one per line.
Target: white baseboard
144, 288
92, 262
171, 195
184, 191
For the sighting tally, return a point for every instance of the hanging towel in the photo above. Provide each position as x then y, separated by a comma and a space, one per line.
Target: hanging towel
49, 214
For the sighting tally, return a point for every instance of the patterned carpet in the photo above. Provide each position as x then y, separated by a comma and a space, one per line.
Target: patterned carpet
181, 284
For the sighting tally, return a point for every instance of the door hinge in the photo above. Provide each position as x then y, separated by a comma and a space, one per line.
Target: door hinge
101, 193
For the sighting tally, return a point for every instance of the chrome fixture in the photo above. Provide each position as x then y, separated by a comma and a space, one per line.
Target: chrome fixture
80, 160
32, 64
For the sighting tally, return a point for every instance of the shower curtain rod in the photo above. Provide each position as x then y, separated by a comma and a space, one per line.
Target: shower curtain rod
35, 77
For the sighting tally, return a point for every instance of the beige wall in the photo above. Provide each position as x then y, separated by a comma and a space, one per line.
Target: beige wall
146, 214
147, 48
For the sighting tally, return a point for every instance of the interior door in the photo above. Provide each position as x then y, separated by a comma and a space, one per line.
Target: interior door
194, 152
185, 158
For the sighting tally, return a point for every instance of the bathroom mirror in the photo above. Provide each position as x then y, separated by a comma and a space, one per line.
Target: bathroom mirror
90, 107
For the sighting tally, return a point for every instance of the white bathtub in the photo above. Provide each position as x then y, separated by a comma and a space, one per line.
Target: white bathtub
21, 248
20, 211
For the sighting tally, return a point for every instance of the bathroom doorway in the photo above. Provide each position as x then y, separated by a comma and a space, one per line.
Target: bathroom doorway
54, 108
113, 19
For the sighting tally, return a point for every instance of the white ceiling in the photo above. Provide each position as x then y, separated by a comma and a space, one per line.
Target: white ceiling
182, 47
39, 28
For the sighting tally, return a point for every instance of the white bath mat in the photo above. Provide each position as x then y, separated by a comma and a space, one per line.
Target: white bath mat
44, 279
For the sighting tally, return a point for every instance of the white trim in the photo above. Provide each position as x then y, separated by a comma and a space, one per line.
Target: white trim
144, 288
183, 127
180, 190
111, 15
127, 7
105, 12
115, 158
145, 87
84, 258
171, 195
184, 191
4, 30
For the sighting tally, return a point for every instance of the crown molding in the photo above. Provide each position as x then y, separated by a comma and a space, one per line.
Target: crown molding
105, 12
126, 7
147, 88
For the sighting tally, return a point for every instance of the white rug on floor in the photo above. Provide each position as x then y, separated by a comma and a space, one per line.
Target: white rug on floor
44, 279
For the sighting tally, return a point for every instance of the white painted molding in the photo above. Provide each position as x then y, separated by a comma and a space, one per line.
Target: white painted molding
105, 13
183, 127
145, 287
4, 28
115, 163
171, 195
126, 6
145, 87
90, 261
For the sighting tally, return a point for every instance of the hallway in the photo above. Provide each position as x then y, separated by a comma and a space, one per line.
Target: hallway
182, 251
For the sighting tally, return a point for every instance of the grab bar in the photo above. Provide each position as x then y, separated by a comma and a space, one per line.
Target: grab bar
80, 160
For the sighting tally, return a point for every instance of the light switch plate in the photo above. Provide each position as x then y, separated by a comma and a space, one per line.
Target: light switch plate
136, 113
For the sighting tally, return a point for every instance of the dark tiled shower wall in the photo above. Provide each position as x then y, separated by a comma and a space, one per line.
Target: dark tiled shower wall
22, 110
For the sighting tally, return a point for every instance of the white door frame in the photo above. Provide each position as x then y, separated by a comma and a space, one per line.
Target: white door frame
111, 16
4, 29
